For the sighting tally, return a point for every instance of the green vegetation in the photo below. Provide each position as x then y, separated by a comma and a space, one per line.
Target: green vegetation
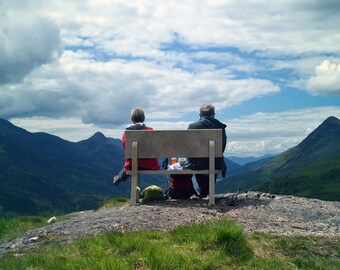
11, 228
321, 181
220, 244
44, 173
320, 146
115, 202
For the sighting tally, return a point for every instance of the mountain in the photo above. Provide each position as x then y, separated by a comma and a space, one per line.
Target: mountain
232, 167
40, 172
320, 181
256, 164
322, 144
245, 160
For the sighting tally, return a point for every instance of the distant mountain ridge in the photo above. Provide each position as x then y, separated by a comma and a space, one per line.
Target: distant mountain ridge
320, 145
40, 172
245, 160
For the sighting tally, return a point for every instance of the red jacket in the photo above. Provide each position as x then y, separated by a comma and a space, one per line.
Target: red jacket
143, 163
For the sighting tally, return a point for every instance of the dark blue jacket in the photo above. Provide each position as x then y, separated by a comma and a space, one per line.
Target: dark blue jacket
203, 163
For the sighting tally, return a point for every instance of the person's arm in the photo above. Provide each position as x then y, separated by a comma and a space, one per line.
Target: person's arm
123, 141
224, 140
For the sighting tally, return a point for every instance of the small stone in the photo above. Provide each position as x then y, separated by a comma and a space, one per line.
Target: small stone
33, 239
52, 220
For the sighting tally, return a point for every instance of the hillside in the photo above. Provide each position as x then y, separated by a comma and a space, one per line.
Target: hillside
232, 167
321, 145
40, 172
321, 181
246, 160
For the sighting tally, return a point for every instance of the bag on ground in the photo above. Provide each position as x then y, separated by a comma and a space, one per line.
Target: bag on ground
152, 193
181, 187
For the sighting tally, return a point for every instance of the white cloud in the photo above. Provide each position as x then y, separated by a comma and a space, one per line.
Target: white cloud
27, 41
168, 57
71, 129
326, 80
263, 133
140, 28
103, 93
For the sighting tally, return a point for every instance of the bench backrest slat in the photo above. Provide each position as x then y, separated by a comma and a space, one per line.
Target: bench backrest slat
179, 143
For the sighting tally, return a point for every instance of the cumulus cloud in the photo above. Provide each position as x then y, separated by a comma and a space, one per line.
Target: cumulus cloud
141, 28
326, 80
27, 41
261, 133
160, 56
68, 128
103, 93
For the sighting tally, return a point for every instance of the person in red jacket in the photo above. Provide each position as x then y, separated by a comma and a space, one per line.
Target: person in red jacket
137, 118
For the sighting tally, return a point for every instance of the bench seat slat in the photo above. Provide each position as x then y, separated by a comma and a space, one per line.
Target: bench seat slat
129, 172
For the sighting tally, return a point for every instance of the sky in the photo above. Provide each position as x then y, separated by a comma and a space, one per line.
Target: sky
270, 68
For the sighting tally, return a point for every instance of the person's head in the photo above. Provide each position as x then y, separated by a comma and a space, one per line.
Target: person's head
137, 115
207, 110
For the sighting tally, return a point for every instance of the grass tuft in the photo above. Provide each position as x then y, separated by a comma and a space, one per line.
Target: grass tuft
219, 244
116, 202
14, 227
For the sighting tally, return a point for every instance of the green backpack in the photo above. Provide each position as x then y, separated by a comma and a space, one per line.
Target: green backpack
152, 193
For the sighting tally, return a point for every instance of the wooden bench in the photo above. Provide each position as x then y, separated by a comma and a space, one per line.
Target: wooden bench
190, 143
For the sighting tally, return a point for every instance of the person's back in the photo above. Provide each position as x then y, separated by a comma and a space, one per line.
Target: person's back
207, 121
143, 163
137, 118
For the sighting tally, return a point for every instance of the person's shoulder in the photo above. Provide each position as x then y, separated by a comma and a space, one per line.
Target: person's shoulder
195, 125
222, 125
212, 122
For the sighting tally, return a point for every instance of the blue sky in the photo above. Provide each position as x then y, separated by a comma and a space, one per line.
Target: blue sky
271, 68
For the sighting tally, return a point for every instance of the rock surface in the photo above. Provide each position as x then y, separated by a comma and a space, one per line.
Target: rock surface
256, 212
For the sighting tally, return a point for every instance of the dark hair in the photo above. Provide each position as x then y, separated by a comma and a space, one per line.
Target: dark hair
207, 110
137, 115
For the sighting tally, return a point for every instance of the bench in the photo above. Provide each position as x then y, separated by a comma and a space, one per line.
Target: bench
190, 143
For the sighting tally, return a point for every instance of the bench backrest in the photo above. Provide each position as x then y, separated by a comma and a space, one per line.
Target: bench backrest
173, 143
193, 143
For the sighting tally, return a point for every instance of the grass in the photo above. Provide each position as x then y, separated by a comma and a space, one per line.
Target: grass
116, 202
11, 228
14, 227
219, 244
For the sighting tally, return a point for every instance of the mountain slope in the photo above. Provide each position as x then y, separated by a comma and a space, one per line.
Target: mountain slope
321, 181
321, 144
232, 167
40, 172
246, 160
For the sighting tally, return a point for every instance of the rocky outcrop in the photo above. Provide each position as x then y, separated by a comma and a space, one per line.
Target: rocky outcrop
256, 212
286, 215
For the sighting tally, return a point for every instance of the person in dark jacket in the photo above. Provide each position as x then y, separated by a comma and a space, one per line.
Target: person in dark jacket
207, 121
137, 118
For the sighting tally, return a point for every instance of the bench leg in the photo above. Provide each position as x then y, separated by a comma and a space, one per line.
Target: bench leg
134, 174
211, 172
